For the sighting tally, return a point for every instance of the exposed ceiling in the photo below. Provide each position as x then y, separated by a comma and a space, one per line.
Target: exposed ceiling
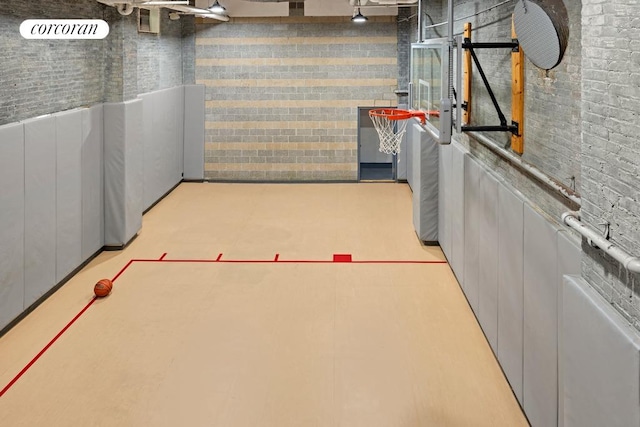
267, 8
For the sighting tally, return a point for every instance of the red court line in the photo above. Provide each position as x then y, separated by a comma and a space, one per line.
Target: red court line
184, 261
35, 359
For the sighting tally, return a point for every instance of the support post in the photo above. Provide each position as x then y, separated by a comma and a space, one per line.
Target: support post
467, 73
517, 95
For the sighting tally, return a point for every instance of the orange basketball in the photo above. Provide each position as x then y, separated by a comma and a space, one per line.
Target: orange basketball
103, 287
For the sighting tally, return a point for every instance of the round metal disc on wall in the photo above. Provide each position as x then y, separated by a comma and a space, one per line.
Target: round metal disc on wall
542, 27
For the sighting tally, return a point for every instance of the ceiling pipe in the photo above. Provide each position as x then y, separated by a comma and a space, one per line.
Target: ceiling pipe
124, 8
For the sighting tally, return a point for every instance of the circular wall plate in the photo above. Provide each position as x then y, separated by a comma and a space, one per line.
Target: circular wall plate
542, 28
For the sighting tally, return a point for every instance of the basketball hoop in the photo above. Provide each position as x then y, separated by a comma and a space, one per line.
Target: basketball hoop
385, 118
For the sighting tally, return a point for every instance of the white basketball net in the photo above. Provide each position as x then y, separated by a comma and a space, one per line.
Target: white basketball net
389, 140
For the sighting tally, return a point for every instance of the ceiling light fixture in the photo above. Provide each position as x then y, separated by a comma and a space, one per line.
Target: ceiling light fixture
217, 8
359, 17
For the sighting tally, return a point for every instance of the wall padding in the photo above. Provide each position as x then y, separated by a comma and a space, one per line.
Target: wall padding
194, 131
425, 177
163, 126
68, 192
540, 376
40, 207
488, 259
11, 222
510, 285
123, 170
472, 212
457, 210
92, 182
601, 360
444, 199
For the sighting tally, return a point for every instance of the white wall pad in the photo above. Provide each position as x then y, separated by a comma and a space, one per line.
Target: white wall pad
540, 370
40, 207
425, 177
457, 211
11, 222
472, 213
151, 155
68, 192
92, 182
569, 263
123, 171
510, 285
488, 259
444, 199
601, 359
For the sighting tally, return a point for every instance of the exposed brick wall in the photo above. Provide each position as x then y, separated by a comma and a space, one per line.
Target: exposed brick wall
44, 76
282, 94
47, 76
552, 102
610, 150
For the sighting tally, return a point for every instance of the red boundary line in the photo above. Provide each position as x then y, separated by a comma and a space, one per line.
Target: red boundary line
162, 259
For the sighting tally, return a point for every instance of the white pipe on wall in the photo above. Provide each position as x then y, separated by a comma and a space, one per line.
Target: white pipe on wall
630, 262
531, 170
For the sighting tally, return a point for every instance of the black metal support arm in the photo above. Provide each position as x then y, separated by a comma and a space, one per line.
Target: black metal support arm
503, 127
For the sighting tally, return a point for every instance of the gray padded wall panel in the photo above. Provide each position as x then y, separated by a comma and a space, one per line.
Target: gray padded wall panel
569, 263
472, 211
540, 320
488, 259
68, 192
92, 182
163, 128
194, 118
457, 211
40, 208
409, 147
444, 199
11, 222
601, 359
425, 178
123, 185
510, 285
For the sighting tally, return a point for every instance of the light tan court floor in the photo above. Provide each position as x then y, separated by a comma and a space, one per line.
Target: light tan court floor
261, 343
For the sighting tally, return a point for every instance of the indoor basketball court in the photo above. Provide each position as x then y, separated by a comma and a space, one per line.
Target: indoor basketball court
271, 306
269, 213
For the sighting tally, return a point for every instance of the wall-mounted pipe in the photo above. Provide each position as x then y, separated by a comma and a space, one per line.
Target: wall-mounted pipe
530, 170
630, 262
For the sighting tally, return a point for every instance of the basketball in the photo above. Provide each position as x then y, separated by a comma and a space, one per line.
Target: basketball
103, 288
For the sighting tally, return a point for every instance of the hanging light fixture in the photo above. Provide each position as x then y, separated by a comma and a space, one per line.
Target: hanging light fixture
359, 17
216, 7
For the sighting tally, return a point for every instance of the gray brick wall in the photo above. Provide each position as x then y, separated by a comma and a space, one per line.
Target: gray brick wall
46, 76
552, 102
610, 153
283, 109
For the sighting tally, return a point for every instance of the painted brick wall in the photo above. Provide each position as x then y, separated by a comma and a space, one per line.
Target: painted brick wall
552, 101
282, 94
610, 150
46, 76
